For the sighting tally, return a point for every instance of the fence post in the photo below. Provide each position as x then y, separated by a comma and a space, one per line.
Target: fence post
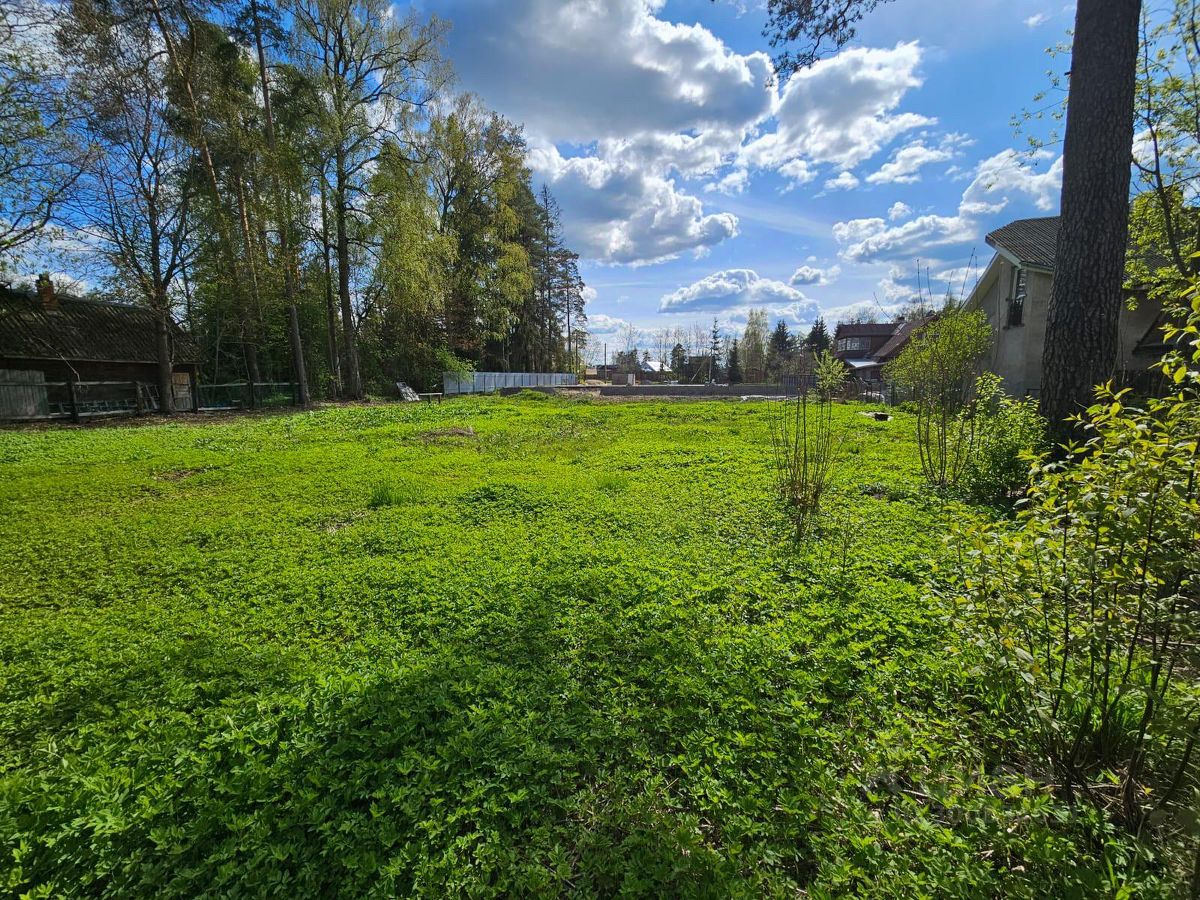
71, 392
253, 398
137, 393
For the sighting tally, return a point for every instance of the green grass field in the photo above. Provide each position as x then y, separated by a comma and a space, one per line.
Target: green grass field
495, 646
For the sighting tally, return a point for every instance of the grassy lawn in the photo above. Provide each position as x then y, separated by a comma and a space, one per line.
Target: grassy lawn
493, 646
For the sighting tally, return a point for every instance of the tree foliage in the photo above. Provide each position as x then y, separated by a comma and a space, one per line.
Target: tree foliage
938, 368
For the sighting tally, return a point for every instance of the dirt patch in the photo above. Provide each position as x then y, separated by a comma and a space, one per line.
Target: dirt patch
445, 434
336, 524
180, 474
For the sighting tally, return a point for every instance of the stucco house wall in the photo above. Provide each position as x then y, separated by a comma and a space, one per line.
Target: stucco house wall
1016, 352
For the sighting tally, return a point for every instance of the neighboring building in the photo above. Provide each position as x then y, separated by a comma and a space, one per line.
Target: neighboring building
1014, 293
867, 348
49, 339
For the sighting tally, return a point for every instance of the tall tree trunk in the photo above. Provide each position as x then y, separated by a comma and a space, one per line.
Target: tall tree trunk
335, 366
1085, 304
283, 214
353, 380
162, 335
254, 314
253, 374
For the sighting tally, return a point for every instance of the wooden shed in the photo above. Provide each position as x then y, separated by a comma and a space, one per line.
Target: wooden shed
64, 355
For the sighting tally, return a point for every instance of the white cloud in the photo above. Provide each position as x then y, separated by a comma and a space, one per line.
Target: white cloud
619, 213
905, 165
1008, 173
626, 101
845, 181
603, 69
869, 239
735, 290
600, 325
812, 275
997, 179
1036, 19
797, 172
842, 111
733, 183
880, 312
899, 210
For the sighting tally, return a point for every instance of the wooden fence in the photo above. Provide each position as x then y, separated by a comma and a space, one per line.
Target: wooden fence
34, 400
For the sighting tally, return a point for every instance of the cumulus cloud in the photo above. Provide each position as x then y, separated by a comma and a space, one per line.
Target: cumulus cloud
812, 275
619, 213
600, 325
733, 183
627, 102
906, 163
735, 290
842, 110
846, 181
1036, 19
588, 59
996, 180
797, 172
1009, 172
899, 210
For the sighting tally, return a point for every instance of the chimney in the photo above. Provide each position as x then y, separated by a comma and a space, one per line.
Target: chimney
45, 289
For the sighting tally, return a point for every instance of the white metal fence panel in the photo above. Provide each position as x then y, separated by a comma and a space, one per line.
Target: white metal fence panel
486, 382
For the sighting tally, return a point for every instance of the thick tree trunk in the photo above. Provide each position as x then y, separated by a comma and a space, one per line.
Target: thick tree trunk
1082, 321
283, 213
353, 381
299, 370
253, 375
166, 387
335, 366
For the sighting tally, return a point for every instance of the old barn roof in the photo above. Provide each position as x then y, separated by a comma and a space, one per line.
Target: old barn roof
84, 331
1030, 241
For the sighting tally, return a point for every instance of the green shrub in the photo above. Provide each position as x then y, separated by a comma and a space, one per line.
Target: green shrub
1007, 433
938, 368
805, 444
1086, 613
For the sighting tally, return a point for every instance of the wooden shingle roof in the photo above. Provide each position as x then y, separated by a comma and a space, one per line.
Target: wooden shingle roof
1031, 241
84, 331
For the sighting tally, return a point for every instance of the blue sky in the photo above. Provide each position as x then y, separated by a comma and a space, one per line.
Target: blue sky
693, 187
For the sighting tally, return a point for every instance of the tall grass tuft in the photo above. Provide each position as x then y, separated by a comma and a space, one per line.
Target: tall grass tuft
805, 444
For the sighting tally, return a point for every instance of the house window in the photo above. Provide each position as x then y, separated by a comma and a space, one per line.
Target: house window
851, 345
1016, 300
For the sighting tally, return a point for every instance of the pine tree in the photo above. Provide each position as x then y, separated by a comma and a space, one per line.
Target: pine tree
714, 349
779, 349
818, 340
735, 365
678, 360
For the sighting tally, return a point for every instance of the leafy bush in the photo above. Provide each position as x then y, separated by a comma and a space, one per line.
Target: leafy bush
1006, 433
938, 368
805, 444
1087, 613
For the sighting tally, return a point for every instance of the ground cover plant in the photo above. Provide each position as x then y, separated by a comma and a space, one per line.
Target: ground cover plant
499, 646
